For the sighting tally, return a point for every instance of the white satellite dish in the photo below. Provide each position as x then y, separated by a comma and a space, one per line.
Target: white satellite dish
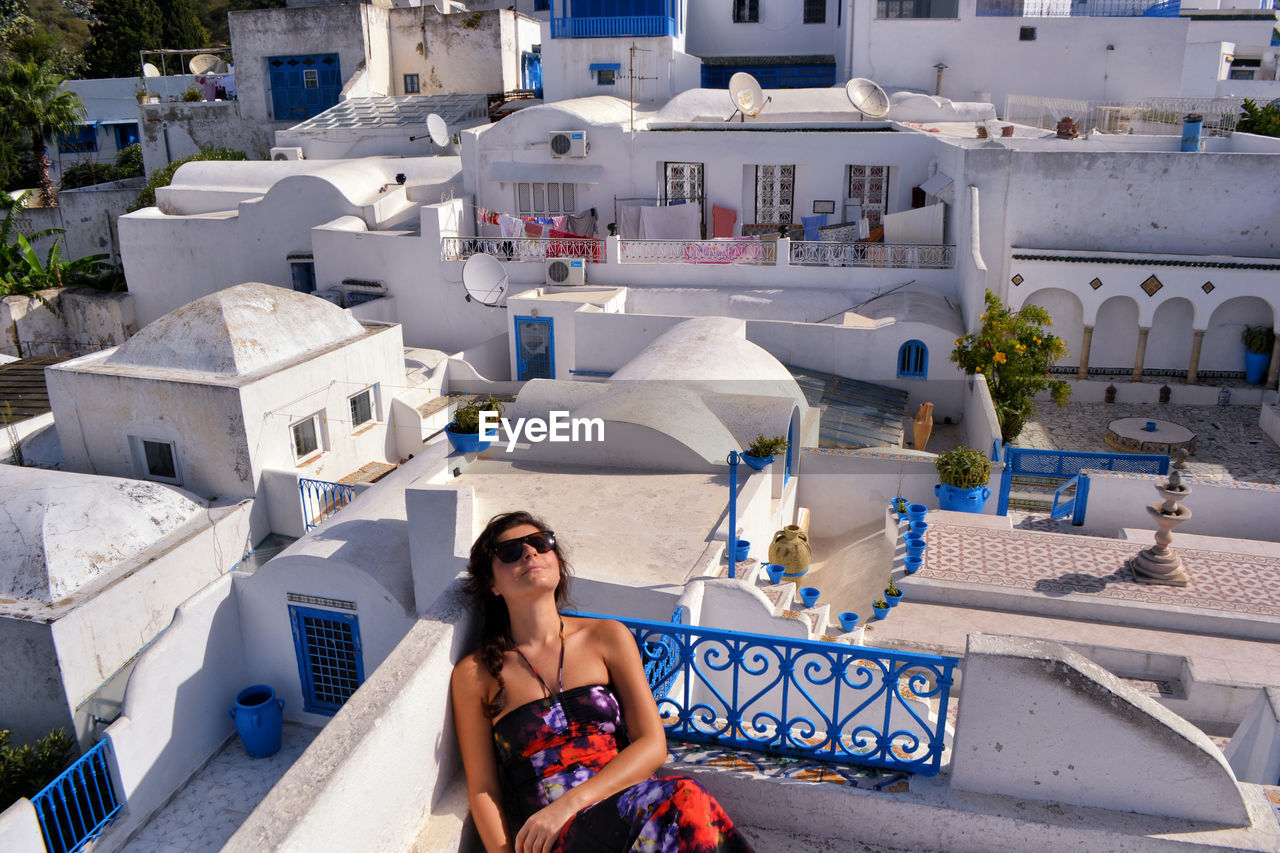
203, 63
484, 279
149, 70
437, 130
867, 97
747, 97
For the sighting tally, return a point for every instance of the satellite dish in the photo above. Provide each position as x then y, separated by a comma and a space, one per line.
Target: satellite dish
484, 279
867, 97
203, 63
149, 70
437, 130
747, 97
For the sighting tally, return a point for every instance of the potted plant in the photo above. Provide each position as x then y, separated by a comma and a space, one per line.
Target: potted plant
761, 451
899, 505
880, 607
1258, 341
964, 474
464, 430
892, 595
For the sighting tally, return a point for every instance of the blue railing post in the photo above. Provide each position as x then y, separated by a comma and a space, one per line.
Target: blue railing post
1082, 500
733, 511
1006, 485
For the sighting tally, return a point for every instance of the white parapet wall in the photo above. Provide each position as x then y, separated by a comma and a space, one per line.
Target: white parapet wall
1041, 722
1254, 750
20, 827
1225, 509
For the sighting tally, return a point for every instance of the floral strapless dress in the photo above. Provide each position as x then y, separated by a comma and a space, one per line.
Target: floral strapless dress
550, 745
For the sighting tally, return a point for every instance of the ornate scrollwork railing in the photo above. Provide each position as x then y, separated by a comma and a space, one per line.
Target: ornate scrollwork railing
744, 251
907, 255
804, 698
522, 248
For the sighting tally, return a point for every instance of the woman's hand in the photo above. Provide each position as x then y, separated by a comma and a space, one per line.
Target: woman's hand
543, 827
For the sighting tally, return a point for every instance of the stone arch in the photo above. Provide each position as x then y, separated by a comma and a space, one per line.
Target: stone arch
1169, 343
1067, 312
1115, 334
1222, 349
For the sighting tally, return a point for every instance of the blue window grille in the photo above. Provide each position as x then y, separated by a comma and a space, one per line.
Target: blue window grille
126, 135
913, 360
616, 19
74, 808
303, 86
541, 5
304, 276
330, 661
322, 499
411, 84
83, 140
535, 348
606, 73
807, 76
1089, 9
803, 698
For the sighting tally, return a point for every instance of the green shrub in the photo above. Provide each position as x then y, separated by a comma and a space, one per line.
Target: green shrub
963, 468
129, 160
763, 447
25, 770
1259, 339
87, 174
192, 94
162, 177
466, 418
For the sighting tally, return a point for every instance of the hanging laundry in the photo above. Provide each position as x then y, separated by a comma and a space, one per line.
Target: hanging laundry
672, 222
722, 221
532, 229
582, 223
511, 227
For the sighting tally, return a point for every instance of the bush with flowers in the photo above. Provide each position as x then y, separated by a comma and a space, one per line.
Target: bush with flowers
1014, 352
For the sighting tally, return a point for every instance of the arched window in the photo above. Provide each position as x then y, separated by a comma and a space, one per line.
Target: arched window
913, 360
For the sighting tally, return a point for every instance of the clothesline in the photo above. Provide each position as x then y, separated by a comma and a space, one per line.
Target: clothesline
569, 225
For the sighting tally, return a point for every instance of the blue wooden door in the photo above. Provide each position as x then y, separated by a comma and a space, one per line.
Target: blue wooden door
535, 348
303, 86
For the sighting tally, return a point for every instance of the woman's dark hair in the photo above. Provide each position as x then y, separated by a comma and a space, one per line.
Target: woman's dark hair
495, 621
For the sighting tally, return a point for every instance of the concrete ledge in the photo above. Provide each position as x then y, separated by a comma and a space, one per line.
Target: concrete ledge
1042, 722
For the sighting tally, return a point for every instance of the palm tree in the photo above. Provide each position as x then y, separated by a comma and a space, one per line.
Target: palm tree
32, 100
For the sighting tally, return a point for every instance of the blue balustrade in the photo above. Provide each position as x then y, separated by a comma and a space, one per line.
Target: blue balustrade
321, 499
622, 26
74, 808
1075, 507
801, 698
1065, 464
1078, 8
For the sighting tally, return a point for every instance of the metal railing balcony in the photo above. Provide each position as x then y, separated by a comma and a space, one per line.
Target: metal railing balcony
905, 255
74, 808
522, 248
729, 251
322, 499
623, 26
803, 698
1078, 8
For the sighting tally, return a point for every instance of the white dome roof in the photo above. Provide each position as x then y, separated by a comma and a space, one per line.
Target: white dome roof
237, 331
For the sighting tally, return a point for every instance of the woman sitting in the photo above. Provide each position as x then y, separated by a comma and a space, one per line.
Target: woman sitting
551, 765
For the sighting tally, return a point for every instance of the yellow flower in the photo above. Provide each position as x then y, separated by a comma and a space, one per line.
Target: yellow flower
1037, 340
1019, 347
959, 341
999, 358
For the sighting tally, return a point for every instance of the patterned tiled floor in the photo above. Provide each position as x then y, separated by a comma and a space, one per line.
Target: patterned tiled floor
781, 767
1029, 561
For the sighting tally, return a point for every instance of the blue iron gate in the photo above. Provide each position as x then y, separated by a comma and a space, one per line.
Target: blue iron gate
1058, 465
321, 499
535, 348
77, 806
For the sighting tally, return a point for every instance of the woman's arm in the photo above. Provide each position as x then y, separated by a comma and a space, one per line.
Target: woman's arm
645, 754
475, 739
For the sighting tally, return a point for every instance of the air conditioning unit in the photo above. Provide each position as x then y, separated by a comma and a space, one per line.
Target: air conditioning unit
566, 271
569, 143
287, 154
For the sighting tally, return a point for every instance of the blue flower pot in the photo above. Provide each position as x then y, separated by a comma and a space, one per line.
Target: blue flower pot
1255, 366
809, 595
916, 549
962, 500
741, 549
881, 612
848, 621
916, 512
913, 563
259, 717
892, 600
919, 527
756, 462
466, 442
775, 571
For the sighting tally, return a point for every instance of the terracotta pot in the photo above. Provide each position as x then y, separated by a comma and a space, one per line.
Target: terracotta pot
790, 548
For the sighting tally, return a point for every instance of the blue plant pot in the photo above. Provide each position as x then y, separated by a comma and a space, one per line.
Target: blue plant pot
892, 600
466, 442
756, 462
893, 507
962, 500
881, 612
919, 527
848, 621
1255, 366
916, 549
741, 549
259, 717
809, 595
916, 512
775, 571
913, 564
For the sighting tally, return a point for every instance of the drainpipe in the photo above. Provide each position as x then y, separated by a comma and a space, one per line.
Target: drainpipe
938, 88
733, 511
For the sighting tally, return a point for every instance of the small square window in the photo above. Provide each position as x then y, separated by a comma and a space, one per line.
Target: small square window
306, 438
815, 11
606, 77
1026, 34
156, 460
361, 408
411, 84
746, 11
310, 78
304, 276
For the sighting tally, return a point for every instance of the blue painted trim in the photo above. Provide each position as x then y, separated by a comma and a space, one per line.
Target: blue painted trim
913, 360
606, 66
523, 370
590, 372
80, 803
313, 674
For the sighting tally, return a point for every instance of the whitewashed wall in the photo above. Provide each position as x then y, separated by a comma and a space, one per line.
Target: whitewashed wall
1237, 510
455, 53
652, 75
780, 30
31, 660
171, 131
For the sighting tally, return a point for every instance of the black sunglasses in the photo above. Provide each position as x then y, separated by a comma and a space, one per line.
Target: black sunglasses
512, 549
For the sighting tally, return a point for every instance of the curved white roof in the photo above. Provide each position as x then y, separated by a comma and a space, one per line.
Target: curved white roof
237, 331
61, 531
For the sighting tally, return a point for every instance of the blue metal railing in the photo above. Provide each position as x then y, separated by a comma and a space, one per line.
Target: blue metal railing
74, 808
624, 26
321, 499
1078, 8
1065, 464
1079, 500
801, 698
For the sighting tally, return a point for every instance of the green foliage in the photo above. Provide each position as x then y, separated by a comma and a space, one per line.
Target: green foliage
120, 29
25, 770
881, 603
1259, 339
30, 39
129, 161
85, 174
180, 26
963, 468
33, 102
762, 446
192, 94
1264, 121
1014, 352
213, 15
891, 589
162, 177
466, 419
24, 272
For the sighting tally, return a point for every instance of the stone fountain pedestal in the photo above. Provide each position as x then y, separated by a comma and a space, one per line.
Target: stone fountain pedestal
1161, 564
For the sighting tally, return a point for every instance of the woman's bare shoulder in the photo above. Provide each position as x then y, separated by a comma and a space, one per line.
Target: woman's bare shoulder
470, 676
606, 632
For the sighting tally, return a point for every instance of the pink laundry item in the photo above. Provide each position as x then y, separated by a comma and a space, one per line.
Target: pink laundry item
532, 229
722, 221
